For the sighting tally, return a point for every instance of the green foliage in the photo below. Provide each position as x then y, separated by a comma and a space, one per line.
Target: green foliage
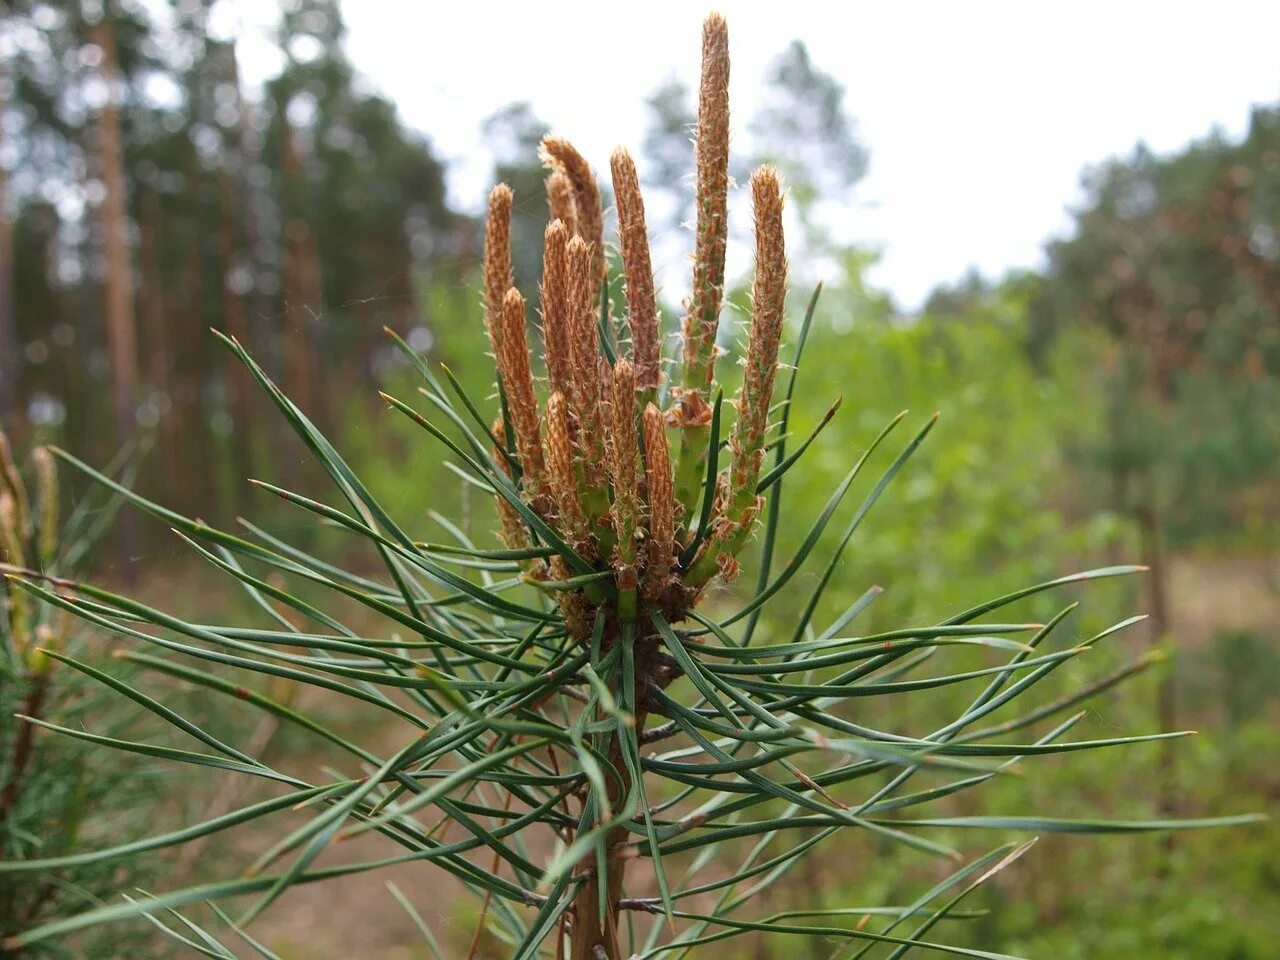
1200, 898
59, 795
993, 488
1003, 475
1239, 674
1174, 260
73, 796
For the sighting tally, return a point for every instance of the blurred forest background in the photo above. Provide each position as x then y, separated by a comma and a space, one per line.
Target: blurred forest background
1122, 403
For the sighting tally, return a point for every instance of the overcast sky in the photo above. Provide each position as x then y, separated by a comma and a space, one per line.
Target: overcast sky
979, 117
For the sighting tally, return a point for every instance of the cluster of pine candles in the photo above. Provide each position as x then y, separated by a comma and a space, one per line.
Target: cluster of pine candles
592, 458
648, 526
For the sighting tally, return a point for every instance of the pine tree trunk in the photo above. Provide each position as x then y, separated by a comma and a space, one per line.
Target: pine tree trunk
122, 344
9, 366
301, 282
1159, 622
158, 367
235, 321
257, 337
195, 360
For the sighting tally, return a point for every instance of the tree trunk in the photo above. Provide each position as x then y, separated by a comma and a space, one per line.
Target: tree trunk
158, 366
118, 281
9, 365
1159, 623
302, 306
194, 359
243, 156
235, 321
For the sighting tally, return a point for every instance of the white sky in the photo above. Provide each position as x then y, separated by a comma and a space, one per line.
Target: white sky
979, 117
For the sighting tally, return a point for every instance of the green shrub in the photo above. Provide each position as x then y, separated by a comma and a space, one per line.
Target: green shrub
58, 795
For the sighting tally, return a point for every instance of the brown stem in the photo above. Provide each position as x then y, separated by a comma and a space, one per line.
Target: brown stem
22, 744
33, 706
593, 940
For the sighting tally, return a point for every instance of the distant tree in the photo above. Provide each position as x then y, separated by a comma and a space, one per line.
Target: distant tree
9, 366
363, 173
176, 191
118, 276
810, 134
1175, 260
959, 298
667, 147
973, 297
1174, 264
